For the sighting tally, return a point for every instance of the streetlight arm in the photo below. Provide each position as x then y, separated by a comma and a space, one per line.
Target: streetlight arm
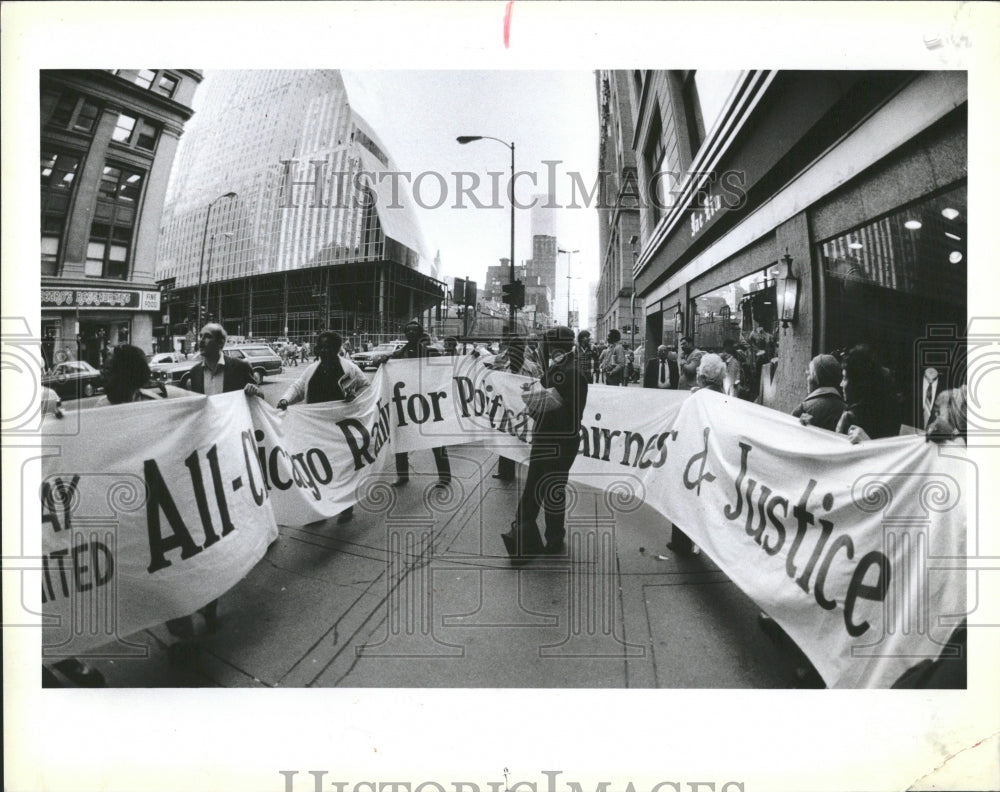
463, 139
201, 261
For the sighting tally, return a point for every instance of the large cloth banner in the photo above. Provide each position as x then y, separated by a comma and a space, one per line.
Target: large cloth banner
856, 550
150, 512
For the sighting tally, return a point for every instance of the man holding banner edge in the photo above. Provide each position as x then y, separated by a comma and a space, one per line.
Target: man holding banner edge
557, 409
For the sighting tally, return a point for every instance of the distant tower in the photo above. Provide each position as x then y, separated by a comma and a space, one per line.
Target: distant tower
543, 215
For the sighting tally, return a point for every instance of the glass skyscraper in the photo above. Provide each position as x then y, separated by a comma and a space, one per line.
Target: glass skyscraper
307, 241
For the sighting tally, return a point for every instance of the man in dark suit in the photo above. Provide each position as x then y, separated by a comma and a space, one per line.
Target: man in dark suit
215, 373
661, 371
212, 375
556, 407
418, 346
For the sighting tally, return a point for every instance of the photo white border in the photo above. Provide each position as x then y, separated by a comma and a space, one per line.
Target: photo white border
239, 740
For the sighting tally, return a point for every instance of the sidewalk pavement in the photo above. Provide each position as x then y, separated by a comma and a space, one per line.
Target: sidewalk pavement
417, 592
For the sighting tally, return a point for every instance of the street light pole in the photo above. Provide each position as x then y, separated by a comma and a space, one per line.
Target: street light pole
463, 139
201, 262
569, 281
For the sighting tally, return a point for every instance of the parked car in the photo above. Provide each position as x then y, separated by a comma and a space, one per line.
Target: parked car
164, 357
175, 373
262, 359
73, 379
154, 388
374, 358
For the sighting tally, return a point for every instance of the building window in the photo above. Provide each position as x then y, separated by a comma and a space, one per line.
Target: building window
120, 184
75, 112
114, 220
123, 128
745, 311
58, 171
706, 94
890, 279
51, 237
659, 183
107, 251
136, 133
166, 85
145, 77
156, 81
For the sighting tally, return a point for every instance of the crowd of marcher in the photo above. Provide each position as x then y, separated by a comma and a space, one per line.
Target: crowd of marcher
853, 395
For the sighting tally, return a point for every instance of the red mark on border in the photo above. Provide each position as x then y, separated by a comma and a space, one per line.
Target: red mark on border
506, 24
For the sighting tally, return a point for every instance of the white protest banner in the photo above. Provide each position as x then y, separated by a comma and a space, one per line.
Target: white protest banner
837, 542
831, 539
316, 456
855, 550
152, 511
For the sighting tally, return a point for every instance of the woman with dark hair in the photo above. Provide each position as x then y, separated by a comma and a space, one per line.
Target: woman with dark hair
873, 409
126, 374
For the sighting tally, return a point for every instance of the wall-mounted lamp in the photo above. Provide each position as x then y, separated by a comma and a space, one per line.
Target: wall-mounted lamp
678, 319
787, 293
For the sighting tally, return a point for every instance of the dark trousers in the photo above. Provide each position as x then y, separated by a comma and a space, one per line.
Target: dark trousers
440, 459
506, 469
545, 488
680, 542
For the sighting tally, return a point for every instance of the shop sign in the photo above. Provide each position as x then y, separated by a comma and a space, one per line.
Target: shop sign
101, 298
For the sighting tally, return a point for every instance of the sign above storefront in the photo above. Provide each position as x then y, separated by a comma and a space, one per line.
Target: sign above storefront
124, 299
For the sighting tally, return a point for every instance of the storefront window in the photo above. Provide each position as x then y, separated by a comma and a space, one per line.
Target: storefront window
887, 281
672, 326
745, 311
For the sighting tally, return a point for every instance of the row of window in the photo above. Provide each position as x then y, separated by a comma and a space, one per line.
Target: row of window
158, 81
78, 113
114, 214
704, 94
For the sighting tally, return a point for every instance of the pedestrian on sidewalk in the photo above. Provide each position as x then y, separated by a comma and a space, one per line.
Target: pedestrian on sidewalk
687, 364
661, 372
613, 366
333, 378
418, 346
214, 374
873, 405
824, 405
556, 405
711, 376
585, 355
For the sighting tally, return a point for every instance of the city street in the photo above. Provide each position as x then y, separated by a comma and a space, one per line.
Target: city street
417, 591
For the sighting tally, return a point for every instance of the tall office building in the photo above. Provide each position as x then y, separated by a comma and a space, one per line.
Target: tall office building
108, 139
618, 210
277, 217
543, 267
799, 212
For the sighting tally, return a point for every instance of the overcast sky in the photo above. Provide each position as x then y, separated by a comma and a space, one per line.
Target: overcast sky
549, 115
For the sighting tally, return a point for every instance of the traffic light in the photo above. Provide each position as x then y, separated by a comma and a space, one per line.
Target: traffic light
513, 294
